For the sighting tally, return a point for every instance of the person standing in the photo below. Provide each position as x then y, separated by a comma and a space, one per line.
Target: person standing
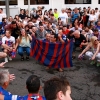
2, 14
64, 17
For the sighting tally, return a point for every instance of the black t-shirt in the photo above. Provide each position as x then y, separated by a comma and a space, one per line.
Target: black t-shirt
15, 32
81, 38
22, 16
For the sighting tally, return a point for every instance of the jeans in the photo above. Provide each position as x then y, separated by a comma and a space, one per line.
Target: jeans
22, 49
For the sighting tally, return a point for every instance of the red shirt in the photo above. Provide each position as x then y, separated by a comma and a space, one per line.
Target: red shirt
66, 32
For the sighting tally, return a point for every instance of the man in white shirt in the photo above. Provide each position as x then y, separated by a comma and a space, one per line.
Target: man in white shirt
64, 17
8, 43
2, 15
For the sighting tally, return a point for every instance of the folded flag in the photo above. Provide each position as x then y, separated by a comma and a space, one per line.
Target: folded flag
55, 55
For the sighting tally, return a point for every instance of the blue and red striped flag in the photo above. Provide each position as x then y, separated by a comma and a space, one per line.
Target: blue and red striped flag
55, 55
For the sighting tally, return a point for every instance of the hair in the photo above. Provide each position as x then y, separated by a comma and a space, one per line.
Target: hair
1, 9
13, 22
55, 35
20, 36
8, 30
70, 32
0, 26
53, 86
33, 84
4, 76
93, 38
3, 19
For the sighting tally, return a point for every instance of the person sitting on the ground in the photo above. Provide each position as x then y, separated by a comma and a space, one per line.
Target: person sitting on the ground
33, 87
57, 89
53, 39
23, 44
92, 51
79, 41
8, 44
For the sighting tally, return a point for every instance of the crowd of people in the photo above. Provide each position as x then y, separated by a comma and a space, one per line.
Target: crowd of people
77, 24
80, 25
59, 88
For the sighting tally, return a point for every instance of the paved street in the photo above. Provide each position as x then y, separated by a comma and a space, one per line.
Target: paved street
84, 79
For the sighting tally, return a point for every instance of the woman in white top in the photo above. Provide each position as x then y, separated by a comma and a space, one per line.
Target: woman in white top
23, 44
92, 17
92, 51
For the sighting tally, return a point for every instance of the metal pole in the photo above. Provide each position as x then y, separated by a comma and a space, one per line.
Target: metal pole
29, 6
7, 8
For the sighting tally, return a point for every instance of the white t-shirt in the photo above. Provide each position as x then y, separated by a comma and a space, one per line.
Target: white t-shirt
97, 15
63, 17
3, 15
9, 41
92, 17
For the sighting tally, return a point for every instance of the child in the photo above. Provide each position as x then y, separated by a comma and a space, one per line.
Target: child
57, 89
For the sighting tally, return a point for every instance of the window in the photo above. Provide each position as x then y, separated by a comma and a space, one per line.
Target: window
11, 2
36, 2
77, 1
98, 1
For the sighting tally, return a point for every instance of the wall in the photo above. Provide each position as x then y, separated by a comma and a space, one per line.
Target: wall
52, 4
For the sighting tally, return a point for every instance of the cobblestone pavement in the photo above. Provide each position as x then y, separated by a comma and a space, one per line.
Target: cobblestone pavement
84, 79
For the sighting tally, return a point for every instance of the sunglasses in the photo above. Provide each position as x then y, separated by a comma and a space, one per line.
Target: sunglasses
96, 40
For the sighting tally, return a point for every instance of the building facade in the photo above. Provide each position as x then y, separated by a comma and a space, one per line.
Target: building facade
15, 5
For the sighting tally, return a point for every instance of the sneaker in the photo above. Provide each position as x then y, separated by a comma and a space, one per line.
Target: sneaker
22, 58
27, 58
98, 64
6, 59
92, 62
9, 57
